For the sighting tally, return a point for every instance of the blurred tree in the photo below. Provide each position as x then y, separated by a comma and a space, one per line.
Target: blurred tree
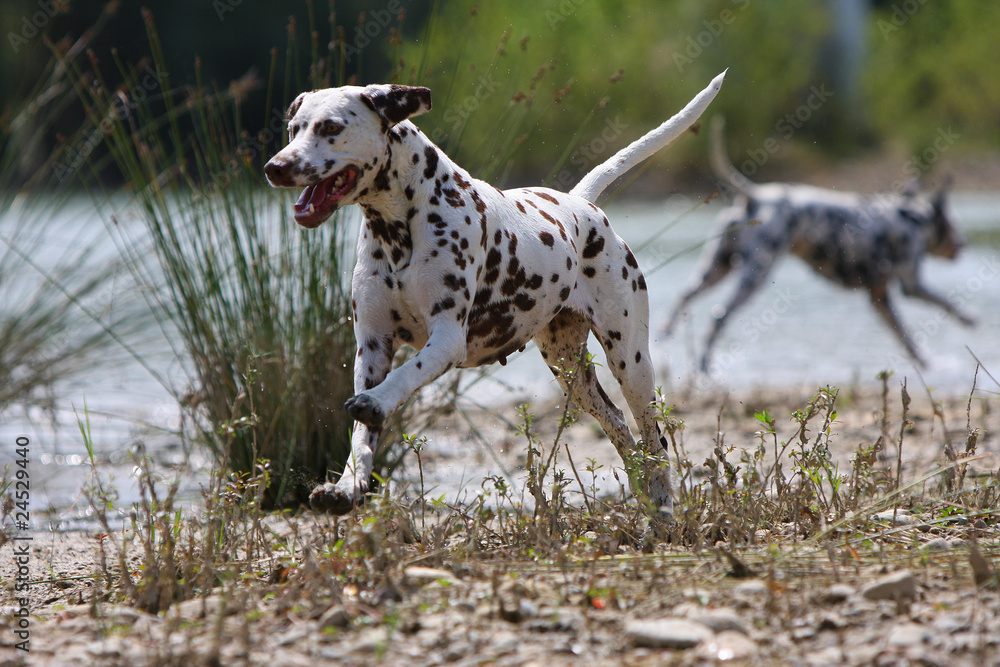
933, 66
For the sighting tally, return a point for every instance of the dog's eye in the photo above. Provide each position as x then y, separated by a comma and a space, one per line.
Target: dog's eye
328, 128
293, 130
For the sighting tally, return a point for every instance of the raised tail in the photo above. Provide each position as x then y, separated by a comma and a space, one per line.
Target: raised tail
722, 167
594, 183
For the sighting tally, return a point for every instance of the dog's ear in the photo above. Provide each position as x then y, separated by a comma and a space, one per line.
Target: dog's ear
395, 103
941, 195
912, 188
294, 106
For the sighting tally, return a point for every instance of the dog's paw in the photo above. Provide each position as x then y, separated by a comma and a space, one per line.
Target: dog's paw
332, 499
365, 409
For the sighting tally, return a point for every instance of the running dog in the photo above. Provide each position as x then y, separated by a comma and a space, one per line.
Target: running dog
858, 241
468, 274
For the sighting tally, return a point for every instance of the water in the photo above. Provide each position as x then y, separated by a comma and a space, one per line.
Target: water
799, 330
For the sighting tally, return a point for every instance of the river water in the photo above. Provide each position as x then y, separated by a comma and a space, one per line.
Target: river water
798, 331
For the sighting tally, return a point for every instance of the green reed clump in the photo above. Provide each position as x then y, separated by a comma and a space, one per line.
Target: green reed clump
259, 312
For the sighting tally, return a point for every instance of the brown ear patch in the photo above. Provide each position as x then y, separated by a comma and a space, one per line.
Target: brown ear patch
395, 103
293, 108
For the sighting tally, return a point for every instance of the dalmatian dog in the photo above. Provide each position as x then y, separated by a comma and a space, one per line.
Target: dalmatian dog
467, 274
857, 241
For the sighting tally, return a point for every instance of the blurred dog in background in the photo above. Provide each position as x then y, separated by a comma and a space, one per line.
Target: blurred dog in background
858, 241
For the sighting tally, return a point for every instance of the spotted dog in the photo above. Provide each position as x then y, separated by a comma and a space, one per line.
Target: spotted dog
468, 274
858, 241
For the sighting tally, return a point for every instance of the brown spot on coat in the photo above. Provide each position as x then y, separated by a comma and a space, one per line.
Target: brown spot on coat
594, 244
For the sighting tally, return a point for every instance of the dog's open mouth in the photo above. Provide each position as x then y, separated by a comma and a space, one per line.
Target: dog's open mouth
318, 201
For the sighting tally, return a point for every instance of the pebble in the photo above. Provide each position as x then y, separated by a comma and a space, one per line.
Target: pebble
937, 544
751, 589
292, 636
831, 622
560, 620
368, 640
416, 575
896, 518
909, 634
457, 651
728, 645
118, 613
336, 616
835, 594
198, 608
952, 623
527, 608
718, 620
667, 633
831, 656
896, 586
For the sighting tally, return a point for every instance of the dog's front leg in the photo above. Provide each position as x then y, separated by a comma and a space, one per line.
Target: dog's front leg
445, 348
377, 395
879, 296
371, 366
915, 289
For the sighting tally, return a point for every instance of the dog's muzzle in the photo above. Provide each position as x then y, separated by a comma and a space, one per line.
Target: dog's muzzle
319, 200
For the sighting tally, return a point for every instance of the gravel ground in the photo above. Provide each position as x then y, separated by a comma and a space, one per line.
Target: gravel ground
907, 595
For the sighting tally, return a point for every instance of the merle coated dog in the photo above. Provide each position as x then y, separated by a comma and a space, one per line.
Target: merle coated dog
857, 241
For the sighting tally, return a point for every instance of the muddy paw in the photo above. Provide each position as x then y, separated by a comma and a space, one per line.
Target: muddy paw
365, 409
330, 499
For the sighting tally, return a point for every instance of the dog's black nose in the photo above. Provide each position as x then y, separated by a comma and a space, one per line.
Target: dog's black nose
277, 171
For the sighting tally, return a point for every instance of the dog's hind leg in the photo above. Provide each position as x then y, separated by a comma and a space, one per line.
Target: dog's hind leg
563, 346
879, 295
753, 272
715, 265
626, 344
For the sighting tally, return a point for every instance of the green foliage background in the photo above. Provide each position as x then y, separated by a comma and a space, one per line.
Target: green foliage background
547, 95
938, 66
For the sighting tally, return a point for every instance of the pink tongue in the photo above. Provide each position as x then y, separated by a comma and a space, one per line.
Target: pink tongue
313, 194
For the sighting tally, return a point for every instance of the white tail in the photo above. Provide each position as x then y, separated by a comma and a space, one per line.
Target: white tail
593, 184
721, 164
